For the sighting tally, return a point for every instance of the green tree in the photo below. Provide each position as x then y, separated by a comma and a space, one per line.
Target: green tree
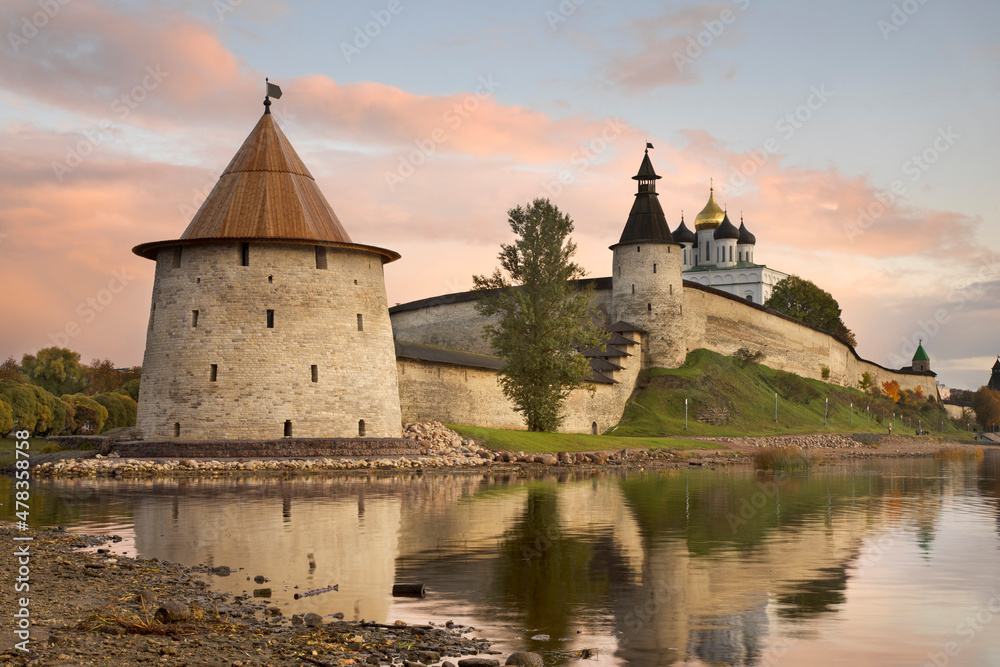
986, 403
6, 418
121, 410
130, 389
87, 411
55, 369
804, 301
539, 318
23, 404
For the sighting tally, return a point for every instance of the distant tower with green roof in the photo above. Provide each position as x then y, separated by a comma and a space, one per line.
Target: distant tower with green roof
921, 362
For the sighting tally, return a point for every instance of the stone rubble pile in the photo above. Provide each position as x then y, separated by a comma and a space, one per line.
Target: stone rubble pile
822, 441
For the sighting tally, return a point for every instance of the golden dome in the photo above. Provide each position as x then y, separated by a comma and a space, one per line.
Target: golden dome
711, 216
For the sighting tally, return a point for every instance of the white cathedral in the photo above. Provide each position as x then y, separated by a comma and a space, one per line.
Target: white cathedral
719, 255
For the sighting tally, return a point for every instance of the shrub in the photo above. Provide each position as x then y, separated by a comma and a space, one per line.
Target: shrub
891, 389
744, 357
794, 388
781, 458
865, 383
825, 372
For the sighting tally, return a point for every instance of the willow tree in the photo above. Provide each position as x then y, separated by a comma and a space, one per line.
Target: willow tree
540, 316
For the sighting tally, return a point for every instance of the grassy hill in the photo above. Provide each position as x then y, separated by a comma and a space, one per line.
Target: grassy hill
739, 400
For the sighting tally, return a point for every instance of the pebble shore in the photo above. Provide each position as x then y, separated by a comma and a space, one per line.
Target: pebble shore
102, 609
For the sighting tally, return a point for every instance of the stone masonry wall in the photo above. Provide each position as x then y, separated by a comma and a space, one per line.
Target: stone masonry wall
724, 325
430, 391
263, 376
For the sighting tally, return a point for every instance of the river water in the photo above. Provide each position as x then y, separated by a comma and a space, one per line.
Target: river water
875, 563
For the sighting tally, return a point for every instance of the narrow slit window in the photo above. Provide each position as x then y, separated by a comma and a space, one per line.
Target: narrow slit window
152, 316
177, 429
213, 374
177, 257
361, 322
270, 319
270, 279
649, 307
244, 254
654, 268
314, 369
361, 428
288, 428
671, 288
320, 257
194, 318
633, 288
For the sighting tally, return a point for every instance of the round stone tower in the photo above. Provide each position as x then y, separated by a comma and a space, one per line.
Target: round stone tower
267, 321
646, 279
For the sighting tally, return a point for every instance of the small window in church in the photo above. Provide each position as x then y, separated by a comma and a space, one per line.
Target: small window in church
270, 319
730, 253
750, 298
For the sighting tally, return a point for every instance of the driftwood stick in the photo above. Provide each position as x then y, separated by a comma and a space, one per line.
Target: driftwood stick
317, 591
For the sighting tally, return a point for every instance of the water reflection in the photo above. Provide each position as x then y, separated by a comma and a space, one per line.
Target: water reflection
874, 563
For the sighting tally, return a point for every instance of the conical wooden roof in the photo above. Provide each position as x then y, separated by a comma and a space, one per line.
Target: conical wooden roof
266, 192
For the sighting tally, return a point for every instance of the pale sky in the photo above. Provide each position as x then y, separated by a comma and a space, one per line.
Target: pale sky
424, 122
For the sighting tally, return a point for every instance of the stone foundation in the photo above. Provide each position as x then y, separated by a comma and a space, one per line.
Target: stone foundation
284, 448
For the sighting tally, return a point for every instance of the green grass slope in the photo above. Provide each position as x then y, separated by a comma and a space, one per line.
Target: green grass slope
719, 386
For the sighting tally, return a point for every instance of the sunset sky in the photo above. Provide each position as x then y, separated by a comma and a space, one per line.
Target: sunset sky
859, 139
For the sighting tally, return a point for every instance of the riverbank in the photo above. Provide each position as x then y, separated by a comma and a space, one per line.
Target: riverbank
438, 448
101, 609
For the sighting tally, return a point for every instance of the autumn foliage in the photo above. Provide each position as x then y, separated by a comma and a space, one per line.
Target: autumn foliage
891, 390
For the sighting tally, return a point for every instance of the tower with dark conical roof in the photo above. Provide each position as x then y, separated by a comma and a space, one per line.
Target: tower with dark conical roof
994, 383
646, 279
267, 320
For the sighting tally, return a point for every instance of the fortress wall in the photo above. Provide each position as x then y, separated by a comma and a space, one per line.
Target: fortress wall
452, 321
263, 374
432, 391
452, 324
724, 325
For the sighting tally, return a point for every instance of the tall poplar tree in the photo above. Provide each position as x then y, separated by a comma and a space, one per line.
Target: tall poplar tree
540, 318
